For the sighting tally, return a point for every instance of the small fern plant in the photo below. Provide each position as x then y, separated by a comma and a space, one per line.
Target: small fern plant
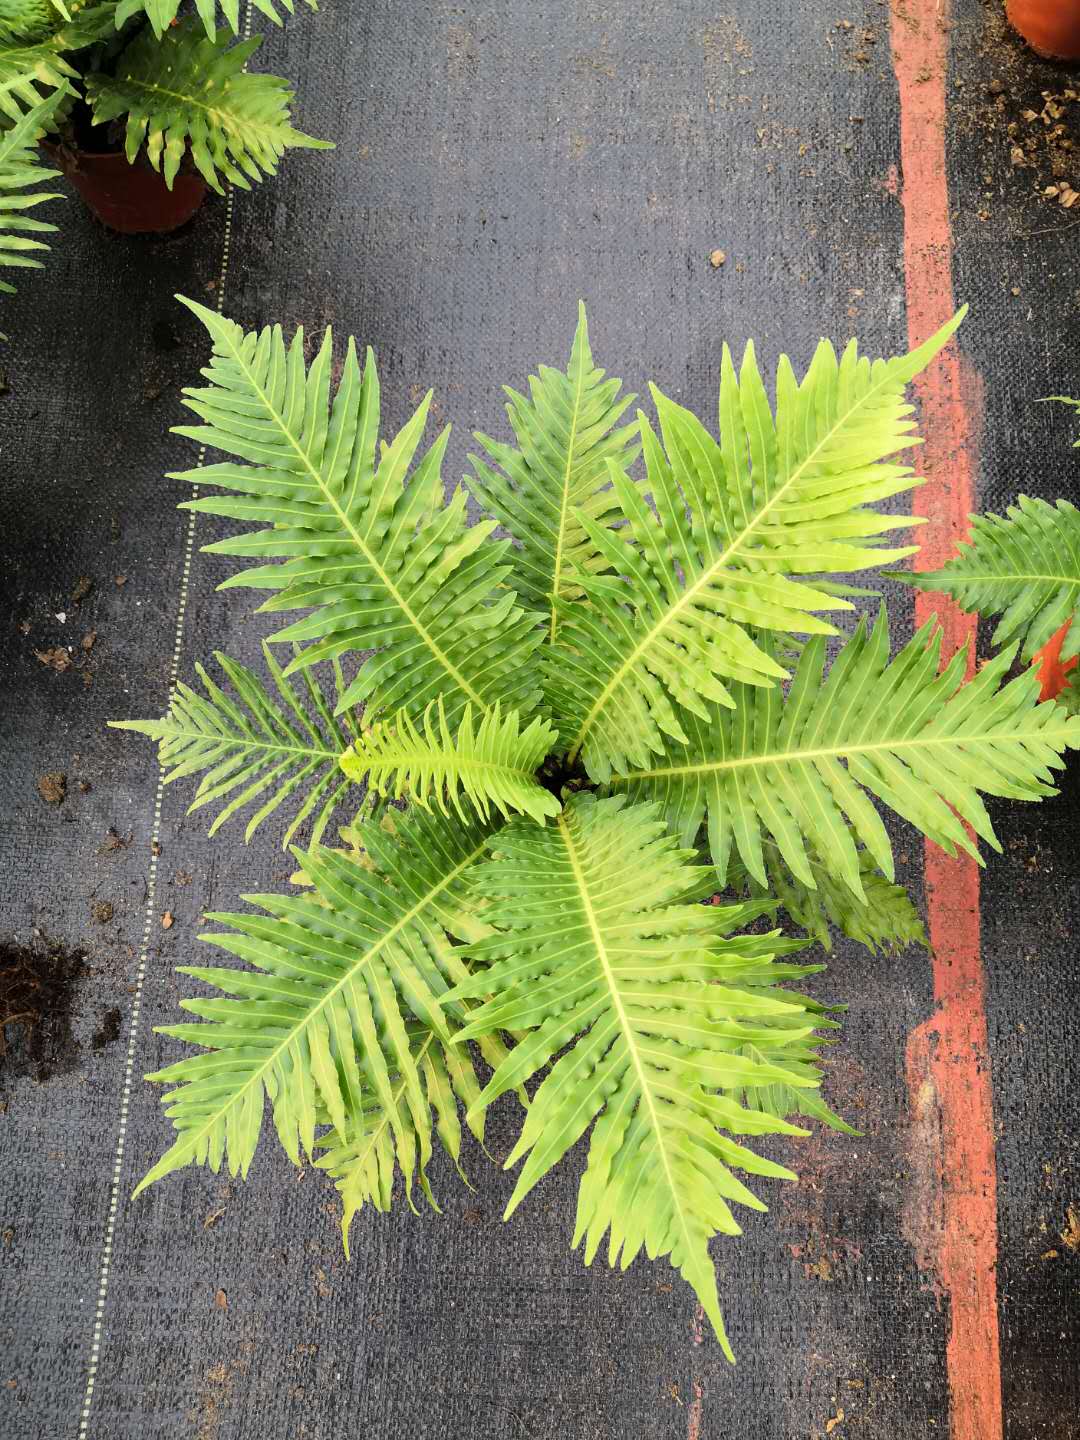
1022, 569
169, 90
554, 746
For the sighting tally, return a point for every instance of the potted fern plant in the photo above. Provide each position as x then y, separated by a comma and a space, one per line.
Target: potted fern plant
140, 109
622, 709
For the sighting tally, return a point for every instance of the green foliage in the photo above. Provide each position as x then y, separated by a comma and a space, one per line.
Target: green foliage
162, 13
30, 69
718, 558
884, 920
672, 1013
20, 169
618, 673
255, 748
325, 1024
492, 764
566, 439
27, 19
188, 94
796, 768
374, 564
1023, 566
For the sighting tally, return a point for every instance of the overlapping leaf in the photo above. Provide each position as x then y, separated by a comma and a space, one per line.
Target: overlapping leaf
184, 93
1023, 566
884, 920
567, 431
30, 70
380, 565
596, 945
734, 525
330, 1019
20, 170
162, 13
493, 764
797, 770
256, 749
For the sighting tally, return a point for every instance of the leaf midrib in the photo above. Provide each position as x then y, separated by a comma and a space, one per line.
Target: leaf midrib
710, 570
233, 743
354, 534
561, 532
709, 767
998, 577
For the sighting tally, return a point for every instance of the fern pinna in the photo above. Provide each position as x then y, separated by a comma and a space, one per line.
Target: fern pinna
620, 707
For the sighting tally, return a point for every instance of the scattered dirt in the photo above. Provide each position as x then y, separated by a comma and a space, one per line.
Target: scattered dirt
111, 1025
89, 640
52, 787
56, 658
1070, 1236
38, 985
83, 586
102, 911
1028, 113
113, 841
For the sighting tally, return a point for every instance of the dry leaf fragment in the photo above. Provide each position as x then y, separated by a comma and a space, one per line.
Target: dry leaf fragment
168, 920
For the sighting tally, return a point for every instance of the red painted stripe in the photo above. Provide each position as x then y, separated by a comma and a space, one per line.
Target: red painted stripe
952, 1220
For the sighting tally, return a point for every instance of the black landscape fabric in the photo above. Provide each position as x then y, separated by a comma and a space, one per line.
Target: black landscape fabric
495, 162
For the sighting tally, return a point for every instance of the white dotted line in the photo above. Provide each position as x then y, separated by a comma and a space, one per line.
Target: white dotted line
151, 889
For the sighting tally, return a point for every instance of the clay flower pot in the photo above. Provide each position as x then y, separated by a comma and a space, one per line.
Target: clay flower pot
132, 199
1050, 27
1053, 675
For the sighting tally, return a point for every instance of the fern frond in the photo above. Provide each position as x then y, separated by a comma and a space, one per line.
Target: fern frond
796, 770
325, 1023
885, 920
379, 565
29, 70
162, 13
493, 764
20, 169
566, 436
26, 20
594, 940
1023, 566
255, 748
185, 93
737, 522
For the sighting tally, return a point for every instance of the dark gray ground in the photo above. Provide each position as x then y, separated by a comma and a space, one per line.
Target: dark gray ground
495, 162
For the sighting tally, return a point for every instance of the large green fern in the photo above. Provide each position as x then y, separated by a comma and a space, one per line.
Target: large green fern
567, 710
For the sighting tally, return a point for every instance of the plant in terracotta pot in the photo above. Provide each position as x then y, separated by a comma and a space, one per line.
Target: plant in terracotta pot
1051, 27
141, 108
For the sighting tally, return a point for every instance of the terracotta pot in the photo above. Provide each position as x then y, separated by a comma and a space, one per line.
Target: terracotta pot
1050, 27
1053, 674
132, 199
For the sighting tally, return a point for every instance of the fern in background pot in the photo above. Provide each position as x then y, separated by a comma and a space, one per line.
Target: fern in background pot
141, 109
